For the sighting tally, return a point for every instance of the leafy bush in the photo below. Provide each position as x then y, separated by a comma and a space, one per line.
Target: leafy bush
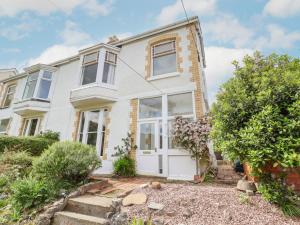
34, 145
124, 166
48, 134
29, 193
140, 222
69, 162
22, 159
256, 117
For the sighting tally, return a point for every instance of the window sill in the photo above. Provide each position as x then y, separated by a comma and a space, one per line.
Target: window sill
103, 85
163, 76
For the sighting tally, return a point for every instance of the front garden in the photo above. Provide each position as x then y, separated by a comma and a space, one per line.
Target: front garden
35, 171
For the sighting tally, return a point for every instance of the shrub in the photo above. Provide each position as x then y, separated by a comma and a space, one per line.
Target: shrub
256, 118
124, 166
22, 159
33, 145
48, 134
68, 162
29, 193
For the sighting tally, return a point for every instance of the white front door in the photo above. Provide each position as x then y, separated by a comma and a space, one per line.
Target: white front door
150, 153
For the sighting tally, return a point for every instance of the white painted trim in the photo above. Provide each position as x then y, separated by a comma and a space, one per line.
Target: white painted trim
163, 76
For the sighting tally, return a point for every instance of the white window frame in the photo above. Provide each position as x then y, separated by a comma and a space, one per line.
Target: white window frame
9, 93
88, 64
25, 131
9, 121
37, 86
114, 64
163, 54
100, 133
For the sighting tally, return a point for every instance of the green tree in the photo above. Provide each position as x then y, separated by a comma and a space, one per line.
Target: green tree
256, 114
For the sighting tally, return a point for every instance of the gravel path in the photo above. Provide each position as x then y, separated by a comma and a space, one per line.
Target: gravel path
208, 205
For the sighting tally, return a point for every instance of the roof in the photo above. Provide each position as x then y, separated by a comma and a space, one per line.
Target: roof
128, 40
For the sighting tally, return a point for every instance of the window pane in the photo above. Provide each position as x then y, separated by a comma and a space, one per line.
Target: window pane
108, 73
166, 47
33, 127
8, 100
93, 121
44, 89
181, 104
91, 139
25, 127
102, 140
171, 144
47, 75
82, 122
3, 125
111, 57
150, 107
89, 74
33, 76
90, 58
29, 89
147, 136
164, 64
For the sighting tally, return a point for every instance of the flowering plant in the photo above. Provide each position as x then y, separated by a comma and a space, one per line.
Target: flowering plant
193, 136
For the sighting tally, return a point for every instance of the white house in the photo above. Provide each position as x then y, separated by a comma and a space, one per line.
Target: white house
138, 85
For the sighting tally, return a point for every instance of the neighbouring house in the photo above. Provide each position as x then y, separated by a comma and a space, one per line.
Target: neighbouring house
138, 85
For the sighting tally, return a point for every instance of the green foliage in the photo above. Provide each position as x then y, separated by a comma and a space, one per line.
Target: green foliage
256, 118
22, 159
124, 166
256, 115
126, 147
34, 145
66, 162
244, 199
48, 134
29, 193
136, 221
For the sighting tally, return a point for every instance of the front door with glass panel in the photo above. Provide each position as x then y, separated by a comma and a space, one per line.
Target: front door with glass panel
92, 129
150, 153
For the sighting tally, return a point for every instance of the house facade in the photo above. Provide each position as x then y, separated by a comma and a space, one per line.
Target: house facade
137, 85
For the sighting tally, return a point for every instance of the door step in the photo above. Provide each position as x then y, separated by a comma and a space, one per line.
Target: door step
91, 205
71, 218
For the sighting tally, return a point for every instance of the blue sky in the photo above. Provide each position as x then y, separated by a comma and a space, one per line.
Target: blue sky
33, 31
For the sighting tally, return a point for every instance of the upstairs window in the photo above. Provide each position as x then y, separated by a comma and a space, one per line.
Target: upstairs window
3, 126
164, 58
89, 68
9, 95
38, 85
109, 68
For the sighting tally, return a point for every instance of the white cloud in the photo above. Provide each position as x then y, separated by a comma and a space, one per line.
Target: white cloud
72, 35
282, 8
171, 12
219, 66
227, 28
278, 38
18, 31
43, 7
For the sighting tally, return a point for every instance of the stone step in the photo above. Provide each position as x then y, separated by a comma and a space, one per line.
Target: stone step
223, 162
71, 218
90, 205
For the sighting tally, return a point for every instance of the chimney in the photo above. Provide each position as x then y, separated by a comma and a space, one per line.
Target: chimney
112, 39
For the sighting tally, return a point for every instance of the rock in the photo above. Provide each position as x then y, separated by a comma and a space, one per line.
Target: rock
227, 216
134, 199
144, 186
119, 219
155, 185
116, 203
155, 206
171, 213
109, 215
187, 213
157, 222
244, 185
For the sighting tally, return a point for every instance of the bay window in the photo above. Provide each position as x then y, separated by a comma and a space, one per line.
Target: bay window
89, 68
164, 58
110, 62
9, 95
38, 85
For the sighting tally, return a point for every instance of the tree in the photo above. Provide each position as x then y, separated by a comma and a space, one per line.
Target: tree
193, 136
256, 114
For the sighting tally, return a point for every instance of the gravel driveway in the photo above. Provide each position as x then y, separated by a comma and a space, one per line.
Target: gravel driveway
208, 204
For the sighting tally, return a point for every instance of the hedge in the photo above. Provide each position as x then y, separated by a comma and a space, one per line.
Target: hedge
33, 145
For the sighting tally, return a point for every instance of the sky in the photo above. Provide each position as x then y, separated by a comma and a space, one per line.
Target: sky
43, 31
